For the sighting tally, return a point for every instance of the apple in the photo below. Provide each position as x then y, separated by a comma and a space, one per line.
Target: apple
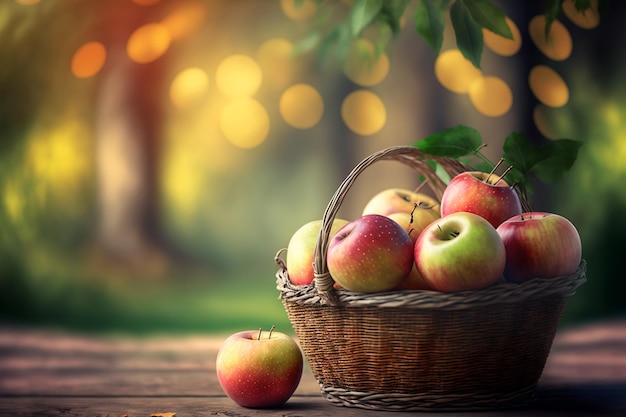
394, 200
461, 251
540, 245
370, 254
414, 222
414, 281
301, 247
259, 369
481, 193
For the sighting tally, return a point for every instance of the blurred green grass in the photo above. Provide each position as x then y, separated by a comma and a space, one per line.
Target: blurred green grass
54, 291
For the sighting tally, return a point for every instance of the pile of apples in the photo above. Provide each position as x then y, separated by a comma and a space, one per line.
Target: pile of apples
475, 237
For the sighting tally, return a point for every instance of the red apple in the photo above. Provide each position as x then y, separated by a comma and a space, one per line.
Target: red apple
481, 193
371, 253
460, 251
259, 369
540, 245
394, 200
301, 247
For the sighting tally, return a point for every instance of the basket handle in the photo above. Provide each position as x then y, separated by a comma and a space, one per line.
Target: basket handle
408, 155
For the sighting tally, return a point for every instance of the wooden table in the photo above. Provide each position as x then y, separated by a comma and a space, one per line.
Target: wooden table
46, 373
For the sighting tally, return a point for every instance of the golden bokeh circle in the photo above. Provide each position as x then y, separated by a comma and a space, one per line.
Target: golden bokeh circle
238, 76
501, 45
548, 86
491, 96
189, 87
454, 71
363, 112
88, 60
557, 45
148, 43
298, 10
301, 106
588, 19
244, 122
274, 57
362, 67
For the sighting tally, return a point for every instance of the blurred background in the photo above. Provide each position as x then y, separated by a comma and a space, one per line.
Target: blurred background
156, 154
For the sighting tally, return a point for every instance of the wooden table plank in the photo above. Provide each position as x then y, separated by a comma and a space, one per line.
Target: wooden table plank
53, 373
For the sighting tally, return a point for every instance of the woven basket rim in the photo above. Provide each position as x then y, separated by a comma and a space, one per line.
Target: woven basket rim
501, 293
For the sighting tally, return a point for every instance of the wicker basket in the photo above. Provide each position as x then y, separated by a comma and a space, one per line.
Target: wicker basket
423, 350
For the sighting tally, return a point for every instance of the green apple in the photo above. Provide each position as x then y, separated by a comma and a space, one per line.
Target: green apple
301, 247
259, 369
460, 251
370, 254
393, 200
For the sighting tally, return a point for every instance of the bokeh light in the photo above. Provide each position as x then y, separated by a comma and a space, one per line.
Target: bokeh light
501, 45
145, 2
362, 67
491, 96
543, 121
244, 122
148, 43
298, 10
301, 106
88, 60
185, 20
588, 19
238, 76
363, 112
274, 57
27, 2
557, 45
455, 72
189, 87
548, 86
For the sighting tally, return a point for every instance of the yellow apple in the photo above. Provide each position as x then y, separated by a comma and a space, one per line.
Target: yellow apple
394, 200
414, 222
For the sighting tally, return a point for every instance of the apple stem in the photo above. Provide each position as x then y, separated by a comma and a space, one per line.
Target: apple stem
494, 170
259, 336
269, 336
506, 171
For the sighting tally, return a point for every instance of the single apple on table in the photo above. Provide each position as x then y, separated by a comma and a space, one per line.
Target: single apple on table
394, 200
301, 247
481, 193
540, 245
259, 369
370, 254
460, 251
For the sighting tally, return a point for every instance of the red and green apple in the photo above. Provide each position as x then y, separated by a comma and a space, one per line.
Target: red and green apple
481, 193
301, 247
460, 251
540, 245
259, 369
370, 254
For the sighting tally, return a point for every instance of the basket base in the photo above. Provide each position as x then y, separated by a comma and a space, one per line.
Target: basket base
428, 402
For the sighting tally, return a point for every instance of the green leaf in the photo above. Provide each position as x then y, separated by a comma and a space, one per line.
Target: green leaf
454, 142
582, 5
430, 22
362, 14
519, 152
553, 9
555, 158
489, 16
392, 12
548, 163
469, 34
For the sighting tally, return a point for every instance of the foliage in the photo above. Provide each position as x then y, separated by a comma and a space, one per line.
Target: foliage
468, 19
547, 163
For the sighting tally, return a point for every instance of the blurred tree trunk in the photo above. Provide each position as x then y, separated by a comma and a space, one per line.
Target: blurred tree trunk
128, 118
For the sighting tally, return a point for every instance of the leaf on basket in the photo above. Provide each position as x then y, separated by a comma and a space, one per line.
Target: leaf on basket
454, 142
